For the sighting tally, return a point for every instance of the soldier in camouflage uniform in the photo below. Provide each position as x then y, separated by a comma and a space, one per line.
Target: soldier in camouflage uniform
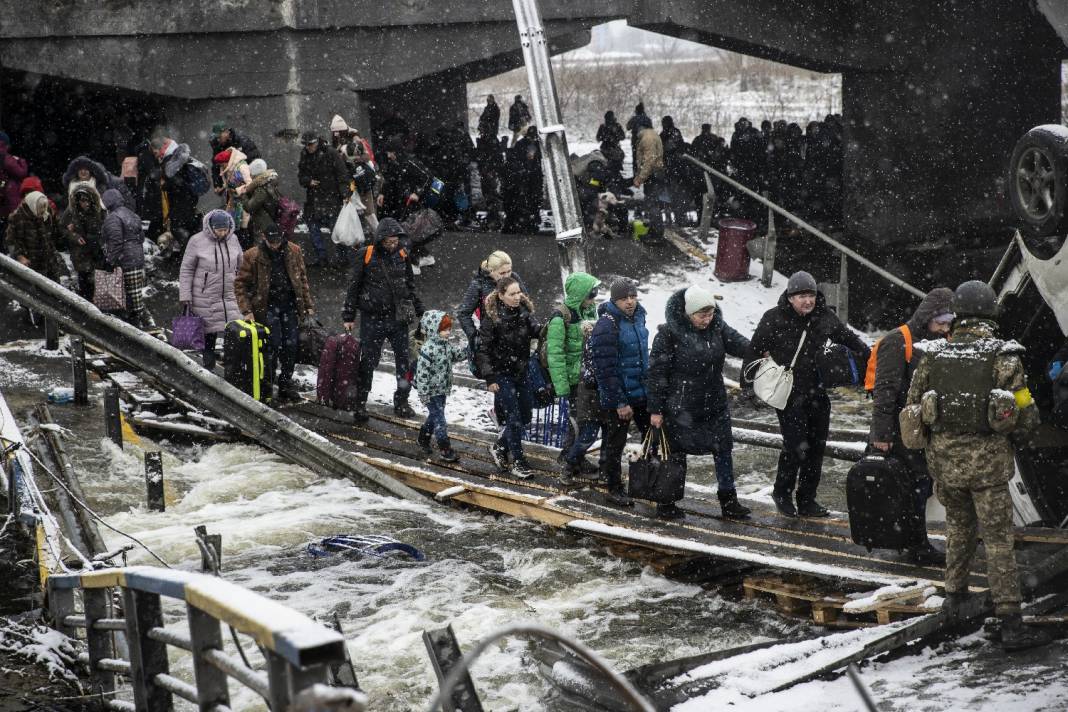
973, 395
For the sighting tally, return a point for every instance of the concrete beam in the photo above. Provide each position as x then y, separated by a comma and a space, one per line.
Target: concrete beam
821, 35
269, 64
108, 18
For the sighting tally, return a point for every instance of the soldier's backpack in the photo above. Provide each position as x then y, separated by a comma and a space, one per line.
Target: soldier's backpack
338, 381
245, 358
881, 502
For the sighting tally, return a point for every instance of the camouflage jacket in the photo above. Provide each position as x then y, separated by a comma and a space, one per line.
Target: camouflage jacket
981, 460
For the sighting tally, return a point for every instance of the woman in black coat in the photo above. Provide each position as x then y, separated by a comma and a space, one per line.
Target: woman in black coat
508, 326
493, 269
686, 393
806, 419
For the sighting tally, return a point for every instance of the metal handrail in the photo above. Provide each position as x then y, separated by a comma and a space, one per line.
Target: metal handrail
892, 278
298, 650
272, 429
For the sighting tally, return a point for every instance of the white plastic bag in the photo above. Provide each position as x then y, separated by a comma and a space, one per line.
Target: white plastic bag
347, 229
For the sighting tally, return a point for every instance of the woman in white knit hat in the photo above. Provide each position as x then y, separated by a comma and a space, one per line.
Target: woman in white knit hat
687, 397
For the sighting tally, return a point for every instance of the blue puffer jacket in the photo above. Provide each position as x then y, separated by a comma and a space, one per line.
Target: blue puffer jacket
620, 356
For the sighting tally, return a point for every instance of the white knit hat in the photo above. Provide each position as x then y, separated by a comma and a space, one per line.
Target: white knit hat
257, 167
338, 124
697, 298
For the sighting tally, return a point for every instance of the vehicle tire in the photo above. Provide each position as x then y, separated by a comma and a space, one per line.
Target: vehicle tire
1038, 180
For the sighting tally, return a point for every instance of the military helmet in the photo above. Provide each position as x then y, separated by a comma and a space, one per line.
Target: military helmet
975, 299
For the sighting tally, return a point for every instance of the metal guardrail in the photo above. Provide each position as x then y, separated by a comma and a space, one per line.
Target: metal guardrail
852, 254
201, 387
298, 651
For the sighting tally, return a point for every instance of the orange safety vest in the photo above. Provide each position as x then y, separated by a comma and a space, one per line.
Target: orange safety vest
869, 375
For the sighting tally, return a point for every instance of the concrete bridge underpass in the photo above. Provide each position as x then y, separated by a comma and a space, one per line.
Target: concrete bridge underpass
935, 92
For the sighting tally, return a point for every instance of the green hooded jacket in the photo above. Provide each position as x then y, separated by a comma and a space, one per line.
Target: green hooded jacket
563, 347
433, 369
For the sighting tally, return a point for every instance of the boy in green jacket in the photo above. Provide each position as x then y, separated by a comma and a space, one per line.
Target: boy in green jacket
433, 380
563, 340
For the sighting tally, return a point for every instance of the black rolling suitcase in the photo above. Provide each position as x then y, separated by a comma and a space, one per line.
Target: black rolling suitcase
245, 358
879, 494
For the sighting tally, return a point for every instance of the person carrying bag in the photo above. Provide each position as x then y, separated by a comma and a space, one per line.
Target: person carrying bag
655, 476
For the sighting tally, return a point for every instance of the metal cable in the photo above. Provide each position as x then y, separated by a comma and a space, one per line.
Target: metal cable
630, 694
93, 514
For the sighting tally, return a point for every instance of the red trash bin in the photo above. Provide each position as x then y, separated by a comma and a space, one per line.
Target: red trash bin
732, 256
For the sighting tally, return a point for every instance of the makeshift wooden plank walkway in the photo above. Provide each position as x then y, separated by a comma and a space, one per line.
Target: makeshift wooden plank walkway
813, 548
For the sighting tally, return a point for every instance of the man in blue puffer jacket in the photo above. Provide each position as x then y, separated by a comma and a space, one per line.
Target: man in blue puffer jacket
620, 345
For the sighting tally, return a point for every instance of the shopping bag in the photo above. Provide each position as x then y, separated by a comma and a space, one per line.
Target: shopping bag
109, 292
653, 476
187, 331
348, 230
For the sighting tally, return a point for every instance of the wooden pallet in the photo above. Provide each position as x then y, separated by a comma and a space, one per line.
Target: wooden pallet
829, 606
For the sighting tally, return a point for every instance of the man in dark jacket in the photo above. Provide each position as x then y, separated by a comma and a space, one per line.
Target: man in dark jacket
806, 418
383, 291
489, 123
620, 347
405, 182
272, 288
890, 370
519, 117
325, 176
224, 137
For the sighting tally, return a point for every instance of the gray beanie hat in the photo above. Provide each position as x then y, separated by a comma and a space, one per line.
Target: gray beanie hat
623, 288
800, 281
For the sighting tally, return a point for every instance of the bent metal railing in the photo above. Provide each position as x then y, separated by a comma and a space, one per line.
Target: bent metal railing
298, 651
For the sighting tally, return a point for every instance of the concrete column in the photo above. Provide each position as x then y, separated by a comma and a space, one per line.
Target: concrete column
928, 144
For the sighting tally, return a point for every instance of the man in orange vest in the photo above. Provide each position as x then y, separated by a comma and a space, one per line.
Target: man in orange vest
887, 380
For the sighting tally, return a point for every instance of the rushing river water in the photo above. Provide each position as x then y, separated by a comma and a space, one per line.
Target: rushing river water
481, 571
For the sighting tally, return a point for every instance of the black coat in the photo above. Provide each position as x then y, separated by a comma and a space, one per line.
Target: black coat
685, 382
380, 283
328, 167
489, 123
475, 298
506, 335
779, 332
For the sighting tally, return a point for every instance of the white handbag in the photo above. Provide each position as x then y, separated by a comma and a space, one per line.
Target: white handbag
772, 383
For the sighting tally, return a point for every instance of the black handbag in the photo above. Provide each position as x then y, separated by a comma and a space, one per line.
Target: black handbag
311, 338
654, 476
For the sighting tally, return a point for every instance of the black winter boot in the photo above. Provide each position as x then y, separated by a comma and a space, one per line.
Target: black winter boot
669, 511
925, 554
400, 405
731, 507
568, 473
951, 606
424, 442
618, 496
785, 504
445, 451
1017, 636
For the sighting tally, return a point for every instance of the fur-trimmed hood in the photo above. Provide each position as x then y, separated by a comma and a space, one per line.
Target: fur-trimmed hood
494, 305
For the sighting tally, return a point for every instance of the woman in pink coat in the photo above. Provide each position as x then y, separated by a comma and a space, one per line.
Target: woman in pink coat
206, 281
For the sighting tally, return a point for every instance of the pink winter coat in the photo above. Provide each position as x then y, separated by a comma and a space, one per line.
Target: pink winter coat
206, 280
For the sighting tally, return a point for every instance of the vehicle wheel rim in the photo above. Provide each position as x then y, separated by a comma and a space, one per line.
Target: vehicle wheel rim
1036, 183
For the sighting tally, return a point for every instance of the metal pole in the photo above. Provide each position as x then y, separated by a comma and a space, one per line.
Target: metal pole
112, 415
563, 198
843, 290
708, 204
154, 481
771, 242
77, 365
893, 279
51, 335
